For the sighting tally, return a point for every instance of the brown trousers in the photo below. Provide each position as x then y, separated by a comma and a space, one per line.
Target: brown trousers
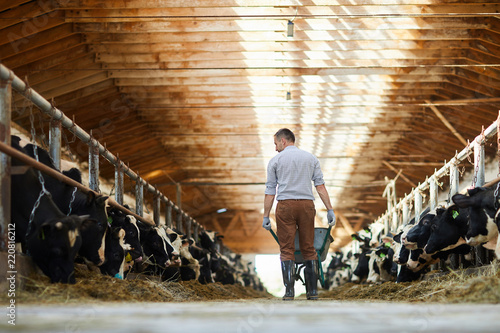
291, 216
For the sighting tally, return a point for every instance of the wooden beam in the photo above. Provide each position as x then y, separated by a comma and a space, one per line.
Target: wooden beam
232, 24
345, 223
447, 123
110, 14
427, 38
390, 166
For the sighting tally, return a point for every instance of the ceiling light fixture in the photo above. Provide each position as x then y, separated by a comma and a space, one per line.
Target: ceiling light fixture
289, 29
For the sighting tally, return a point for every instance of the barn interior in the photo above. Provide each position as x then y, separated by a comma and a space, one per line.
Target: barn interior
190, 93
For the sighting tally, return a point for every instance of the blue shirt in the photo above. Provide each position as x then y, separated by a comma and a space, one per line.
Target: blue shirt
292, 172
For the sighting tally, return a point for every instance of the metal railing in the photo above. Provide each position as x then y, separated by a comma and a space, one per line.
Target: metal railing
450, 168
9, 80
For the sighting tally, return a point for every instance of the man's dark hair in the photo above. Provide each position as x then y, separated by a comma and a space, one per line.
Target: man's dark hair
285, 133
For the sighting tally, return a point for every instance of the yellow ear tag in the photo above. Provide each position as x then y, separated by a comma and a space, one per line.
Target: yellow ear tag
128, 257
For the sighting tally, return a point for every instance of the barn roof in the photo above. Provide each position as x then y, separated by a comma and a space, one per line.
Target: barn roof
190, 93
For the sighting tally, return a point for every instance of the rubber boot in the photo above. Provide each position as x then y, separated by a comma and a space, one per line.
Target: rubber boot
288, 271
311, 277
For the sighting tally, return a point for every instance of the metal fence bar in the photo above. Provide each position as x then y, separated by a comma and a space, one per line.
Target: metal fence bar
93, 166
480, 251
45, 106
5, 162
55, 143
119, 186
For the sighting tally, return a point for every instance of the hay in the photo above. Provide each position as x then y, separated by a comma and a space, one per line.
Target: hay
463, 286
95, 287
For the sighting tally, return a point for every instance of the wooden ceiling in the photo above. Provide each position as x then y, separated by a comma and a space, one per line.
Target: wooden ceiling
191, 92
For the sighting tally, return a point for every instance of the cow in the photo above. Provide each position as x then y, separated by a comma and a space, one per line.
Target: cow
50, 237
114, 264
71, 200
156, 248
417, 236
132, 234
483, 217
448, 229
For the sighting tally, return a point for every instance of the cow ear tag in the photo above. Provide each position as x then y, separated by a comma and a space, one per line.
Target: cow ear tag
454, 214
128, 257
382, 255
387, 244
110, 220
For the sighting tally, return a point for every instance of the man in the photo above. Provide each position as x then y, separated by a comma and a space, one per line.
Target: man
292, 170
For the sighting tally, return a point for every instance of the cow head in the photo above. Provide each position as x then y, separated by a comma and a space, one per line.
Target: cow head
155, 245
115, 253
483, 210
53, 246
418, 235
448, 229
93, 246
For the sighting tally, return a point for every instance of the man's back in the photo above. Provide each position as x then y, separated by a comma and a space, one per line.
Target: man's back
293, 170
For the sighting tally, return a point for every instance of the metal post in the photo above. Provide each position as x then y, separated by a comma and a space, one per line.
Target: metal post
454, 179
394, 224
433, 192
156, 210
418, 204
55, 143
454, 183
168, 215
179, 195
188, 225
386, 223
406, 211
179, 221
5, 162
139, 197
93, 166
119, 187
196, 231
481, 255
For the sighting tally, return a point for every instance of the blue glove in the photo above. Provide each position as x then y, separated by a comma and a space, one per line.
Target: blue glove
330, 216
266, 223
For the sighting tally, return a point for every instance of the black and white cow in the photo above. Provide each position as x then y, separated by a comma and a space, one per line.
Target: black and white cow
157, 249
71, 200
483, 217
44, 232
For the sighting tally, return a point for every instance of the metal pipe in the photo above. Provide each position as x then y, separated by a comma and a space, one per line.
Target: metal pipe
156, 210
55, 143
478, 163
5, 162
139, 197
179, 195
179, 222
46, 107
93, 166
168, 215
454, 179
418, 204
406, 212
119, 187
433, 192
7, 149
188, 225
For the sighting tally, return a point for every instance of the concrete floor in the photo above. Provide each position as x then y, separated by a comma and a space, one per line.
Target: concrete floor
256, 316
